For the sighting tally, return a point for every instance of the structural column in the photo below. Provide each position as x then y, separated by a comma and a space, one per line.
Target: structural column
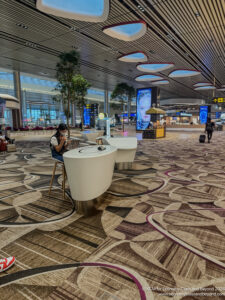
106, 102
18, 94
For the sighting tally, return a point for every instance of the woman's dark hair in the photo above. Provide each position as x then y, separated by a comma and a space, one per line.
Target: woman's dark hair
208, 120
61, 127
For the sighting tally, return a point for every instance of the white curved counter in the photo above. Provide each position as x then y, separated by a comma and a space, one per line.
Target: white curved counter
89, 171
91, 135
126, 148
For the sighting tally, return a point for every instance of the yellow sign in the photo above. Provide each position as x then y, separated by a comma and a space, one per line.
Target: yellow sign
101, 116
219, 100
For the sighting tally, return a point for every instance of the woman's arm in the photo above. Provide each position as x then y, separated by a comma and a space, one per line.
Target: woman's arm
62, 141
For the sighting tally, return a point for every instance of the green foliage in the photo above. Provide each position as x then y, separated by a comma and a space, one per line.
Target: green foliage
67, 67
123, 92
80, 88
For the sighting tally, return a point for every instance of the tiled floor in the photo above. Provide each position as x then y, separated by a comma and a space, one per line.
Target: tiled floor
160, 228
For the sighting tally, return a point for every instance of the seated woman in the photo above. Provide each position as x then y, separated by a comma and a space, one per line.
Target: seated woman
3, 137
59, 143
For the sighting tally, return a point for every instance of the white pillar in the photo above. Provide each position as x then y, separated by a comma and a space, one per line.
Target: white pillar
106, 102
18, 94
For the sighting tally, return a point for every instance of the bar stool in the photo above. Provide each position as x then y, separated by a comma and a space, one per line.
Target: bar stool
63, 175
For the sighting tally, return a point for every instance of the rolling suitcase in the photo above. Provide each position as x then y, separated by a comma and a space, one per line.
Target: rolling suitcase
202, 138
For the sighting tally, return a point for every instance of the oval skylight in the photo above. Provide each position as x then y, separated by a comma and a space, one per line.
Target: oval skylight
184, 73
148, 77
202, 84
134, 57
154, 67
128, 32
202, 88
160, 82
83, 10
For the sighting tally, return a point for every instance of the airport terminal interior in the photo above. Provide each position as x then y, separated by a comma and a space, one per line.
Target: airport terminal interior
112, 149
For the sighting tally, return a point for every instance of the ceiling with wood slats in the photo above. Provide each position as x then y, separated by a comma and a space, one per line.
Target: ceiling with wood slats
188, 33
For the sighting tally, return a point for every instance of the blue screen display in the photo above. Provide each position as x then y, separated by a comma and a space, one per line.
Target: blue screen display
87, 115
203, 114
144, 102
218, 115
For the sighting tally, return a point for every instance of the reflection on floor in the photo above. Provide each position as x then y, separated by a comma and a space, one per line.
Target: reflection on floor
160, 228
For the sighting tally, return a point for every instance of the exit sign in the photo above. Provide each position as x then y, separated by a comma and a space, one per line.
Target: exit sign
219, 100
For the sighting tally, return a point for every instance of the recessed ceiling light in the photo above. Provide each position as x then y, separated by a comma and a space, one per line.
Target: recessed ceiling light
148, 77
154, 67
169, 36
198, 84
134, 57
128, 31
141, 8
202, 88
82, 10
43, 73
22, 25
183, 73
197, 13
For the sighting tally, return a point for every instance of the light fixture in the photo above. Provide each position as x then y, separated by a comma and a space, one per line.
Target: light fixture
202, 88
169, 36
22, 25
135, 57
160, 82
198, 84
197, 13
128, 31
43, 73
148, 77
154, 67
82, 10
183, 73
30, 44
141, 8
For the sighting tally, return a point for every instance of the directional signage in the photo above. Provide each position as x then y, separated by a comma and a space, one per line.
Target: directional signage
219, 100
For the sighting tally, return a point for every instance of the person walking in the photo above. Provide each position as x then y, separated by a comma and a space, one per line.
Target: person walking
209, 129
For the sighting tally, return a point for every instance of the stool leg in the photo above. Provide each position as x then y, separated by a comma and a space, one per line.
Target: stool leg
53, 175
64, 182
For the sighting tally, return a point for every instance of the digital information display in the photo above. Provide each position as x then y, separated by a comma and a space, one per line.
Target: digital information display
203, 114
87, 115
144, 102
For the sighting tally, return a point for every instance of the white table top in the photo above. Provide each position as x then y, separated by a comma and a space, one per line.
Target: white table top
89, 152
122, 142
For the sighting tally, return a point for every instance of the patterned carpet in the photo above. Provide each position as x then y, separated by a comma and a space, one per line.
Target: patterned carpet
159, 233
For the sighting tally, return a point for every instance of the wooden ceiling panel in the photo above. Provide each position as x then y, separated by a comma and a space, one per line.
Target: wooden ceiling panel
189, 33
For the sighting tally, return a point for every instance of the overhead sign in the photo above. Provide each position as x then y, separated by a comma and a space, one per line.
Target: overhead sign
185, 115
219, 100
